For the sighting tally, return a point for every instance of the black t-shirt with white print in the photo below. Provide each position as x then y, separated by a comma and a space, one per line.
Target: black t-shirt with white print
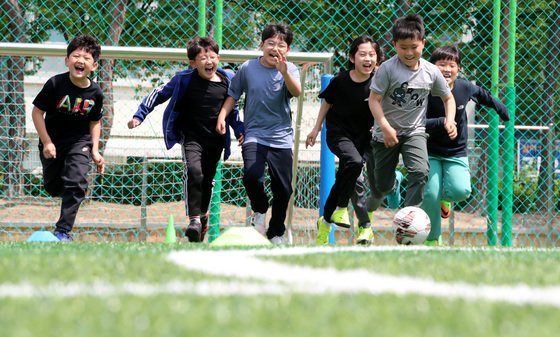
69, 109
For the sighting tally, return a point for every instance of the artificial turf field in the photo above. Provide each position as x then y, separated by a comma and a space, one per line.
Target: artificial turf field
140, 289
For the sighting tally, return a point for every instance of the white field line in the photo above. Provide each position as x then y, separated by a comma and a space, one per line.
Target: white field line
258, 277
245, 264
103, 289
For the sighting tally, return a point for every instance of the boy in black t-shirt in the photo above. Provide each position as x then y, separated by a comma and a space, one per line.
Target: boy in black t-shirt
67, 115
196, 96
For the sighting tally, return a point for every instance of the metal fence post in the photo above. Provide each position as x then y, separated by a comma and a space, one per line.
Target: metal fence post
144, 201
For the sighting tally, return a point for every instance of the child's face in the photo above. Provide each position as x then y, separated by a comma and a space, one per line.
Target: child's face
272, 48
206, 62
80, 63
409, 51
365, 59
450, 69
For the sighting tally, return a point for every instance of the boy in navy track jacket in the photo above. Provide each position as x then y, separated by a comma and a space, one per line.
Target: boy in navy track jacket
196, 97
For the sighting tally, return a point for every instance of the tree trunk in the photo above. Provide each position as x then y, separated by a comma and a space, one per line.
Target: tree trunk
106, 71
12, 119
403, 6
105, 80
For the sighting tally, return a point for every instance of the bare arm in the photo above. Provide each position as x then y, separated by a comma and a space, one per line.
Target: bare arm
293, 86
282, 66
95, 132
450, 108
312, 136
49, 150
228, 105
389, 134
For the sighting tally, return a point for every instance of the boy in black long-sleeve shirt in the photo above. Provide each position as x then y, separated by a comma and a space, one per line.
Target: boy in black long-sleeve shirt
449, 178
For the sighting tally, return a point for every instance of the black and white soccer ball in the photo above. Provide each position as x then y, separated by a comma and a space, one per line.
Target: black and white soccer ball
411, 226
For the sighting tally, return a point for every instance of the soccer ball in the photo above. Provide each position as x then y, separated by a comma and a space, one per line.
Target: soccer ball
411, 226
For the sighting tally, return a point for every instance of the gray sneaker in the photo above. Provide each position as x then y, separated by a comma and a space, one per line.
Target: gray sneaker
258, 221
278, 240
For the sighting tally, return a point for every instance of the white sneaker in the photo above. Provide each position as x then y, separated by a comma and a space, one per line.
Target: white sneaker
258, 221
278, 240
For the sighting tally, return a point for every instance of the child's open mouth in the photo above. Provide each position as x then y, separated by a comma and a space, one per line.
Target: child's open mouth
209, 70
79, 68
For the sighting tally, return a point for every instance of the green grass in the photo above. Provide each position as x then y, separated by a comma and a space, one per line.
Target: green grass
493, 267
292, 314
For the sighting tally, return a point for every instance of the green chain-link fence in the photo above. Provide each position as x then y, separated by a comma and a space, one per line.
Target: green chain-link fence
508, 47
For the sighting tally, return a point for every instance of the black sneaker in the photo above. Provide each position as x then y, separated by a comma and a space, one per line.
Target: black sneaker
204, 224
194, 231
63, 236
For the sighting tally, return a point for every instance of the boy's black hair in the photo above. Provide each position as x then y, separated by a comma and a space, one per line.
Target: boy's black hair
356, 44
86, 42
410, 26
198, 44
273, 29
446, 53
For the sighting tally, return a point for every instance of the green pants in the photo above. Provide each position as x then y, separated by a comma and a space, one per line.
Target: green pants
449, 180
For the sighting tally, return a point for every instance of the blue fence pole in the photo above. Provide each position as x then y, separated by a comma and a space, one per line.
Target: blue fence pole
327, 169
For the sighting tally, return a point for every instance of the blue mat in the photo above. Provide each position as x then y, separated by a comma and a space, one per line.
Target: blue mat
42, 236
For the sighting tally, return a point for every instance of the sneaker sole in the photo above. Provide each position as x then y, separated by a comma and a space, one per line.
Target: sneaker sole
343, 225
193, 235
364, 242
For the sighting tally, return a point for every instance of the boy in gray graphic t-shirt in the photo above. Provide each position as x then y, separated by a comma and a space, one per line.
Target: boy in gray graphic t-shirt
398, 102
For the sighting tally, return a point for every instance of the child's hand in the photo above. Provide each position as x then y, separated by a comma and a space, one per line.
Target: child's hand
49, 151
281, 63
133, 123
241, 139
311, 137
451, 129
99, 161
390, 137
221, 126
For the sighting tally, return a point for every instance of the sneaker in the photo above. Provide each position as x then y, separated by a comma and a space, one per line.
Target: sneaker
437, 242
278, 240
194, 230
257, 221
63, 236
340, 217
394, 199
204, 226
323, 232
365, 236
445, 209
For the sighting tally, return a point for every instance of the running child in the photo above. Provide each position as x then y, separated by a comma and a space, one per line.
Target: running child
398, 101
449, 177
269, 82
196, 96
348, 124
67, 114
